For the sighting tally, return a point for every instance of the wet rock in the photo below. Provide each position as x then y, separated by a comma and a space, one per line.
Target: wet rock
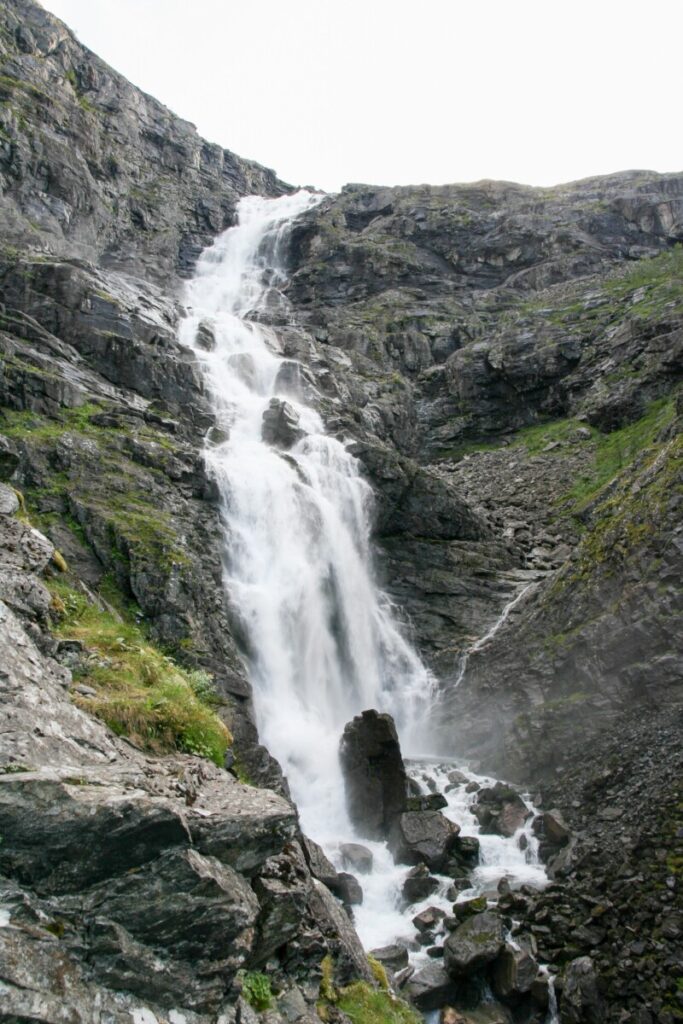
374, 774
466, 908
423, 837
513, 974
463, 855
281, 424
500, 810
476, 942
419, 884
457, 886
205, 337
429, 919
356, 857
431, 987
394, 958
348, 889
426, 802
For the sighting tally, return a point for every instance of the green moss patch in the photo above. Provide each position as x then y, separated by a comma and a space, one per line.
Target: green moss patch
139, 691
366, 1005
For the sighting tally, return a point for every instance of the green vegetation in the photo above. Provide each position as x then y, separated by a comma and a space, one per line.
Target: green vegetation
617, 450
362, 1003
658, 283
634, 510
366, 1005
379, 973
538, 437
120, 493
140, 692
256, 990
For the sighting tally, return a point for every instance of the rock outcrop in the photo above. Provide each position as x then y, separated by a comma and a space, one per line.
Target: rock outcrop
374, 775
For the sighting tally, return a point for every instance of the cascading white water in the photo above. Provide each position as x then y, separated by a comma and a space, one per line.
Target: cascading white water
324, 643
323, 640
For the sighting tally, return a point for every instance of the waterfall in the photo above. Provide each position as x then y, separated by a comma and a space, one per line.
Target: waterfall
323, 640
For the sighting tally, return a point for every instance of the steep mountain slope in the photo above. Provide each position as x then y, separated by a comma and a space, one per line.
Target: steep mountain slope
505, 362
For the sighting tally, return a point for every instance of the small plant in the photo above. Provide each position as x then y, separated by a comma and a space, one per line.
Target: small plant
256, 990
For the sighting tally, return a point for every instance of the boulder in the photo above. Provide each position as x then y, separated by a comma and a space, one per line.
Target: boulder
348, 889
478, 941
431, 988
428, 919
374, 774
467, 908
513, 974
427, 802
280, 426
394, 958
419, 884
356, 857
552, 828
463, 855
581, 1000
423, 837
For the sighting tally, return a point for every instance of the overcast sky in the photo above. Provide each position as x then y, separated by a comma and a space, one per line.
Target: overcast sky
403, 91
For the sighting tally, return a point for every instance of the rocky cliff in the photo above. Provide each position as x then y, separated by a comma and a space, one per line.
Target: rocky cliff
505, 361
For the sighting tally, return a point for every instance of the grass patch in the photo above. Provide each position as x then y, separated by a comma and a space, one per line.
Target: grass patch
617, 450
366, 1005
634, 511
361, 1002
140, 692
538, 437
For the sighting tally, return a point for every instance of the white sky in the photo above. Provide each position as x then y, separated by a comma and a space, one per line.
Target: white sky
403, 92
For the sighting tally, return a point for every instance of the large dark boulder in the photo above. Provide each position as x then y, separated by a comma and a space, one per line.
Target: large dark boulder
431, 988
423, 837
475, 943
514, 972
374, 774
582, 1002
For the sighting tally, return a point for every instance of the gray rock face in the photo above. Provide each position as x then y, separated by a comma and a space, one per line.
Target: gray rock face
9, 503
145, 198
475, 943
374, 774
